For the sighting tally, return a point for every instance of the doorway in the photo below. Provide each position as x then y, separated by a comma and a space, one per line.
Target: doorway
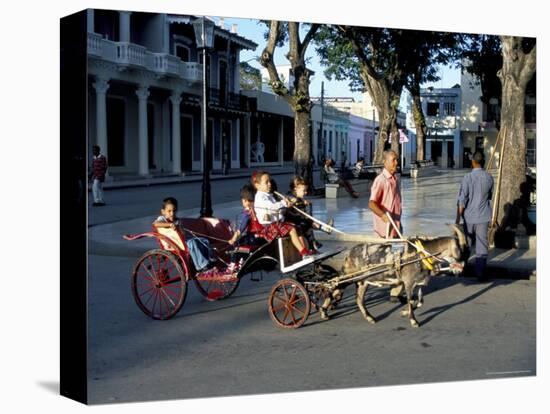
436, 152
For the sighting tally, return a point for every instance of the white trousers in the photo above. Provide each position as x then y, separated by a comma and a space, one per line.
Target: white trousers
97, 191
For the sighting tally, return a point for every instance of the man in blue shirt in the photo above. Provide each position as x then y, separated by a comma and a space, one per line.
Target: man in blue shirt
474, 206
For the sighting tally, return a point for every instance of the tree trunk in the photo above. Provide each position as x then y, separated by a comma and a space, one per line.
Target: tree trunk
395, 138
420, 125
513, 167
386, 100
302, 147
517, 70
299, 99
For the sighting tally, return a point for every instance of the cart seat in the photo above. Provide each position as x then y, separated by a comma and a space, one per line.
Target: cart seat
209, 226
174, 235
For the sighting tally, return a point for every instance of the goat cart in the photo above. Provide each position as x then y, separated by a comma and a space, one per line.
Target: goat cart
160, 277
320, 286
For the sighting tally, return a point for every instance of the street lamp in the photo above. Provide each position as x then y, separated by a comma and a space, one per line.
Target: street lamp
204, 37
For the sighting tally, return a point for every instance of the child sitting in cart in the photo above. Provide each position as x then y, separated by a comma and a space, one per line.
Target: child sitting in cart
199, 247
269, 212
243, 235
304, 225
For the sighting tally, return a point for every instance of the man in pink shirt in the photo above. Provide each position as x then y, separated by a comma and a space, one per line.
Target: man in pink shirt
385, 196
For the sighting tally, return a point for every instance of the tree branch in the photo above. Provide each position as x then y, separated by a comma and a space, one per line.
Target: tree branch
530, 66
307, 39
294, 43
360, 53
266, 60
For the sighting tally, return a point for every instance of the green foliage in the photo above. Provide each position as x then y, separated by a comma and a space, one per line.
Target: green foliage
282, 36
251, 78
482, 58
337, 55
409, 57
425, 52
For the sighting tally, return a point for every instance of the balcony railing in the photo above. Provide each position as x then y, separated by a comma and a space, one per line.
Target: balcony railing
127, 54
230, 101
165, 64
94, 44
130, 54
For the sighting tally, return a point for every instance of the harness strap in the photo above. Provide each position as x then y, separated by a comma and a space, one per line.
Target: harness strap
426, 261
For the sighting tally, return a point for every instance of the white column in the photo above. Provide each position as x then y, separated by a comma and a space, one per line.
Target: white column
281, 138
166, 35
90, 20
101, 85
176, 133
143, 148
457, 149
124, 26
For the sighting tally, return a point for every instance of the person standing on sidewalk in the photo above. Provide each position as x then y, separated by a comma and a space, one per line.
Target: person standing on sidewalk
474, 207
385, 197
99, 169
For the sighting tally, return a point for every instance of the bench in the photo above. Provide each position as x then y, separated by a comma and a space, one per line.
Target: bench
336, 190
423, 168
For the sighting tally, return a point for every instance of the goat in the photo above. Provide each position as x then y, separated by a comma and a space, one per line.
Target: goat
410, 271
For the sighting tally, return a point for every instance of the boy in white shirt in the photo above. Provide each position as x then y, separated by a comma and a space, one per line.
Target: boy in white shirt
269, 212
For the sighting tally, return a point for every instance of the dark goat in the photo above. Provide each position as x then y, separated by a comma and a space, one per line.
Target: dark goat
404, 268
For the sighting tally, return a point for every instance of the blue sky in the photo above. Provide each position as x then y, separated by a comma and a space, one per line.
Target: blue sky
252, 30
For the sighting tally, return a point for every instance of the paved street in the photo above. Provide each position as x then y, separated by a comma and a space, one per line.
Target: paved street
468, 331
128, 203
231, 347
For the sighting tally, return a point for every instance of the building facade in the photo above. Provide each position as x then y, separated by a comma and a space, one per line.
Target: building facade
145, 82
480, 121
349, 127
442, 110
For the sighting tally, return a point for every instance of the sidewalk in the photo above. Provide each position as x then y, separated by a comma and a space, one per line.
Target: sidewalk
429, 204
135, 181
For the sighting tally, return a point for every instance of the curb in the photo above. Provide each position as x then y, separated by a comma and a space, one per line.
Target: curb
181, 180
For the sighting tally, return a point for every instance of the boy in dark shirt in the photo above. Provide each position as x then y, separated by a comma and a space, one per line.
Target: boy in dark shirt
242, 234
305, 226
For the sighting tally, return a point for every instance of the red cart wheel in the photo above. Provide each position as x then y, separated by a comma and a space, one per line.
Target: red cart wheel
216, 288
289, 304
159, 285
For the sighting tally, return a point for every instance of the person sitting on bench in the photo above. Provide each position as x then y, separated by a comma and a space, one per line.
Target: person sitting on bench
334, 178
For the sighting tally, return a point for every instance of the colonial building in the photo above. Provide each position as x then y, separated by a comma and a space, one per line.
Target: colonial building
480, 121
348, 125
269, 135
442, 108
145, 82
333, 142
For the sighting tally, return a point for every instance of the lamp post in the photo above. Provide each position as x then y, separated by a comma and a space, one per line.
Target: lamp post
204, 37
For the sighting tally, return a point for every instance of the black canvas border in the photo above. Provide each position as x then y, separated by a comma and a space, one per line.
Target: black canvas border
73, 194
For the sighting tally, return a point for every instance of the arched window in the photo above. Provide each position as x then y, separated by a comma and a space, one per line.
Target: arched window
182, 51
